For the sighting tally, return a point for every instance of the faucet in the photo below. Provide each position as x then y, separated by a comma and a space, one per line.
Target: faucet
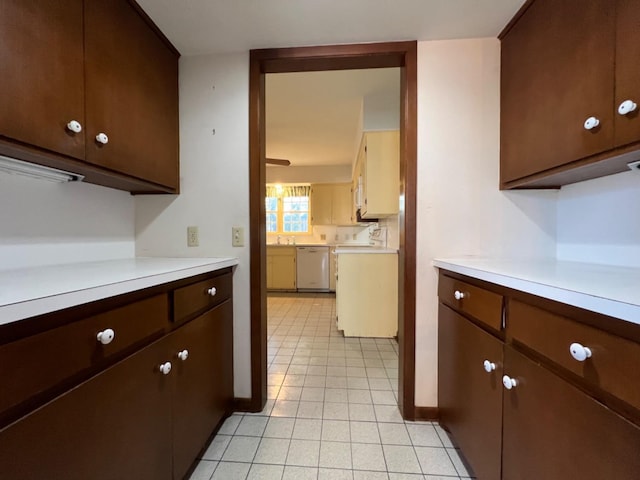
278, 240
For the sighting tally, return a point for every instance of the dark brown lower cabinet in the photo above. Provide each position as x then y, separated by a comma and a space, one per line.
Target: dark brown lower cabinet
552, 430
469, 397
203, 387
131, 421
116, 425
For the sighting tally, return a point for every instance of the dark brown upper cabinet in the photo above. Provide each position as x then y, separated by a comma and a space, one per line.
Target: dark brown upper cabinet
567, 65
627, 124
103, 65
42, 86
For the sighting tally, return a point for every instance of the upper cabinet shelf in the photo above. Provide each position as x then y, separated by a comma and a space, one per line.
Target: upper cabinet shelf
91, 88
570, 79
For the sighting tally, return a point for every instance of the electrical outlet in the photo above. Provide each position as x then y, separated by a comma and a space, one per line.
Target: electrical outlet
354, 236
193, 239
323, 236
237, 236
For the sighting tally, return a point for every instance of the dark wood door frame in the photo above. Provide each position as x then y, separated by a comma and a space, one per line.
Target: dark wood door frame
337, 57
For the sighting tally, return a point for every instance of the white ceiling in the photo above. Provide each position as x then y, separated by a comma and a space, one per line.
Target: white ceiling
315, 118
214, 26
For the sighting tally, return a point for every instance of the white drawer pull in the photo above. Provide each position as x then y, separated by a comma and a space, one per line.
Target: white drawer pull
591, 123
165, 368
579, 352
102, 138
458, 295
183, 355
509, 382
489, 366
212, 291
627, 107
106, 336
74, 126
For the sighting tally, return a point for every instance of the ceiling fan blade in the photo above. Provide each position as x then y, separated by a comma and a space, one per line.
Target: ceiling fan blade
278, 161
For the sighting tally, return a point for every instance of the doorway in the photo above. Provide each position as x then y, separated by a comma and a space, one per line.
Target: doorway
313, 59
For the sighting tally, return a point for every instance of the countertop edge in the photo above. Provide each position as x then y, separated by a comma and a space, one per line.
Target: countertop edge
38, 306
605, 306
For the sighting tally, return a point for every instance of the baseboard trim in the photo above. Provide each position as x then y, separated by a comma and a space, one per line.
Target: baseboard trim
427, 414
242, 404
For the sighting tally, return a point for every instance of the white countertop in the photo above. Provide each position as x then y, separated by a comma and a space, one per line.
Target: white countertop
29, 292
609, 290
365, 250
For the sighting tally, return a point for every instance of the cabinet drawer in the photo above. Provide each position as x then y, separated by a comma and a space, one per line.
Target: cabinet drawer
613, 362
552, 430
481, 304
35, 364
198, 297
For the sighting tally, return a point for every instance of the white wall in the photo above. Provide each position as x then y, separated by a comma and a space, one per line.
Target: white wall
598, 221
214, 184
460, 209
44, 223
381, 110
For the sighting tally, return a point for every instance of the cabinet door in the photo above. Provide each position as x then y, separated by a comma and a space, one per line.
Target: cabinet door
203, 382
321, 198
269, 271
132, 94
284, 272
552, 430
381, 174
341, 204
42, 86
627, 127
116, 425
557, 71
469, 397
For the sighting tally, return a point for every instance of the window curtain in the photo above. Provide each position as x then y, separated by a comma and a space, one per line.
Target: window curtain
289, 191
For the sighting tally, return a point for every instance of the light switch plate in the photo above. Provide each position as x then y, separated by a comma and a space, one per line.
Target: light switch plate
237, 236
193, 239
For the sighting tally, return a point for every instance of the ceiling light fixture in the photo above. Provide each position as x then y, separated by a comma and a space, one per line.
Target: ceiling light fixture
18, 167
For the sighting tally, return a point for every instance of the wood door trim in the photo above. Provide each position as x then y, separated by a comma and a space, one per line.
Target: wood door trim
335, 57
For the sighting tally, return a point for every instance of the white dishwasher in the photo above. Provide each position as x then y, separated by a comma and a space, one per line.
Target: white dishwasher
312, 269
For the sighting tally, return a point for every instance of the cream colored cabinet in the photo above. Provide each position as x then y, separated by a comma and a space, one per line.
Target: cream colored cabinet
367, 294
331, 204
321, 203
281, 268
379, 160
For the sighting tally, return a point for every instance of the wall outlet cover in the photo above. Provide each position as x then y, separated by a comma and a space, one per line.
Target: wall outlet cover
193, 238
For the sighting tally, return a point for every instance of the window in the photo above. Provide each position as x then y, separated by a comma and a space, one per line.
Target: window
287, 208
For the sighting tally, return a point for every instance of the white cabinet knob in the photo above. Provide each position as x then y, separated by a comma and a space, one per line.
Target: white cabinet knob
212, 291
489, 366
165, 368
74, 126
106, 336
579, 352
458, 295
102, 138
591, 123
626, 107
509, 382
183, 355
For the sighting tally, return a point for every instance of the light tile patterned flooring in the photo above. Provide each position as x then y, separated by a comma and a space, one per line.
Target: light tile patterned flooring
331, 413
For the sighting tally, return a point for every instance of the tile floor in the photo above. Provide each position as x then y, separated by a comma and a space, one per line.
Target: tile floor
331, 413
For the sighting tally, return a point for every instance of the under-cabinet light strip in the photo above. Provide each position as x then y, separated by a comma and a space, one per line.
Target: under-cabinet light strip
18, 167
